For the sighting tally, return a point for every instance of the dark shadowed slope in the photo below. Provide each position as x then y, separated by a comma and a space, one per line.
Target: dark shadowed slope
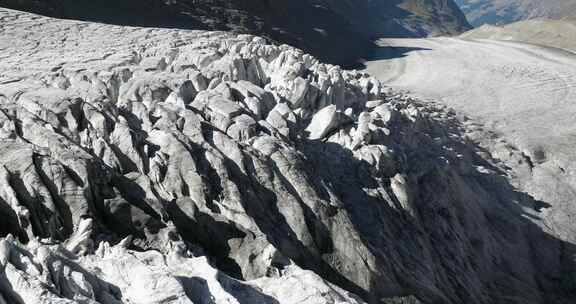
316, 30
334, 31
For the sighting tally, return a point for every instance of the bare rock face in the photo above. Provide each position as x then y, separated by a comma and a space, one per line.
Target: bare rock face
401, 18
167, 166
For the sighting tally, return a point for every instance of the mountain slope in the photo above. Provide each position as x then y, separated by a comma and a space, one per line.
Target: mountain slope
408, 18
545, 32
500, 12
335, 31
316, 30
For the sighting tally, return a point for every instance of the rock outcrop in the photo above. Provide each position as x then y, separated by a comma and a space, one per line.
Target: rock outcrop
169, 166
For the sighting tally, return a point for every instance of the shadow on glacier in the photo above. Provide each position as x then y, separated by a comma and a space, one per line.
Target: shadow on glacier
57, 270
462, 233
439, 247
244, 293
392, 52
199, 292
7, 291
262, 205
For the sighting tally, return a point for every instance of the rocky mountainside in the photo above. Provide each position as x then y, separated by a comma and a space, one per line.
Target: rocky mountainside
499, 12
545, 32
316, 26
148, 165
401, 18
